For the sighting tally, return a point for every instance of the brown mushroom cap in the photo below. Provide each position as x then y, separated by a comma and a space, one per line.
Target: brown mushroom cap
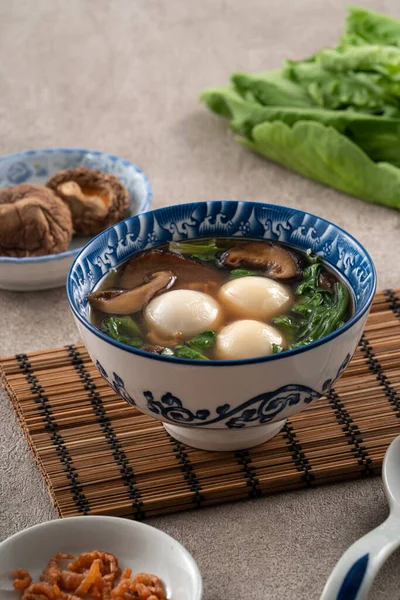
96, 199
123, 302
276, 261
154, 349
186, 270
326, 280
33, 221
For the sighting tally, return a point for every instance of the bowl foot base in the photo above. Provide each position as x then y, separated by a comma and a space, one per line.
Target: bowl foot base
224, 440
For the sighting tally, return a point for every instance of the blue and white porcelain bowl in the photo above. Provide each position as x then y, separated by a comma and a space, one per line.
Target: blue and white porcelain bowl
37, 166
223, 405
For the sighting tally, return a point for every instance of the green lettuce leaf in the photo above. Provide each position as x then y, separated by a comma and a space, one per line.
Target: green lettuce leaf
325, 155
219, 97
368, 27
378, 59
355, 90
344, 101
379, 137
270, 88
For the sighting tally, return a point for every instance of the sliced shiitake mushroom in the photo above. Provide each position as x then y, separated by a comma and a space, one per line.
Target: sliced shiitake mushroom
326, 280
274, 260
126, 302
186, 270
96, 199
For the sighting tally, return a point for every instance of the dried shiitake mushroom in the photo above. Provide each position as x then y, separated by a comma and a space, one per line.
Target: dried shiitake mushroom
33, 221
95, 199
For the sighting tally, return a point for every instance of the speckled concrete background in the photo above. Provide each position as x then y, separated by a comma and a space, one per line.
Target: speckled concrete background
124, 76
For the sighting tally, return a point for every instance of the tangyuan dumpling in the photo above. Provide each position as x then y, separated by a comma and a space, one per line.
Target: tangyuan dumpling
182, 312
247, 339
255, 297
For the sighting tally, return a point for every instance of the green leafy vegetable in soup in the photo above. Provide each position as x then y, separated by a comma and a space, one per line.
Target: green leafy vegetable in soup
317, 313
203, 341
276, 349
184, 351
123, 329
194, 347
203, 250
236, 273
220, 299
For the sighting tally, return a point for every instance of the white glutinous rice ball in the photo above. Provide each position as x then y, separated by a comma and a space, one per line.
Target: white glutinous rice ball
182, 312
246, 339
255, 297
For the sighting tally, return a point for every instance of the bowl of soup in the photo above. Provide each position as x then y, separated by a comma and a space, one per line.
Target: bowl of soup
223, 318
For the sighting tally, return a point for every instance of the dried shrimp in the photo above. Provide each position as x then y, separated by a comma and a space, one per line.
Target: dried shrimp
90, 576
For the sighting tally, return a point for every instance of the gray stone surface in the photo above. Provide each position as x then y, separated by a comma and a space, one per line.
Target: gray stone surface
124, 76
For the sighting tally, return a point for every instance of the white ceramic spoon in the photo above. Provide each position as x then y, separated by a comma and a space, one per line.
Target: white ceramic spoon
352, 577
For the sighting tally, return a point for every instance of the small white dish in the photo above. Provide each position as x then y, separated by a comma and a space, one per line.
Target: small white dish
37, 166
136, 545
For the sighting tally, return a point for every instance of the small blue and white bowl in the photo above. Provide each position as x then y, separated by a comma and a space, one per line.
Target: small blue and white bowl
37, 166
223, 405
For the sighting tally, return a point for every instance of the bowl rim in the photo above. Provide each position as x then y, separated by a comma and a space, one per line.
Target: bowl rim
173, 360
70, 150
198, 580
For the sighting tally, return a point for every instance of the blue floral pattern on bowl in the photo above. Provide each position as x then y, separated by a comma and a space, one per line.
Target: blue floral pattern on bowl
261, 409
116, 383
329, 382
18, 172
223, 218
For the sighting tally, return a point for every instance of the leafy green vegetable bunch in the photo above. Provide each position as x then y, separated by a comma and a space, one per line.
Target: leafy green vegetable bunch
334, 117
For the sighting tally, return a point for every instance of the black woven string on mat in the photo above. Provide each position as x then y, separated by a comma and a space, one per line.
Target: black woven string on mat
393, 301
51, 426
300, 460
351, 431
376, 368
126, 470
245, 461
187, 469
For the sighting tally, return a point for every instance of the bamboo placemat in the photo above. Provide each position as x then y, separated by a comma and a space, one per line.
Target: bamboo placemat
101, 456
